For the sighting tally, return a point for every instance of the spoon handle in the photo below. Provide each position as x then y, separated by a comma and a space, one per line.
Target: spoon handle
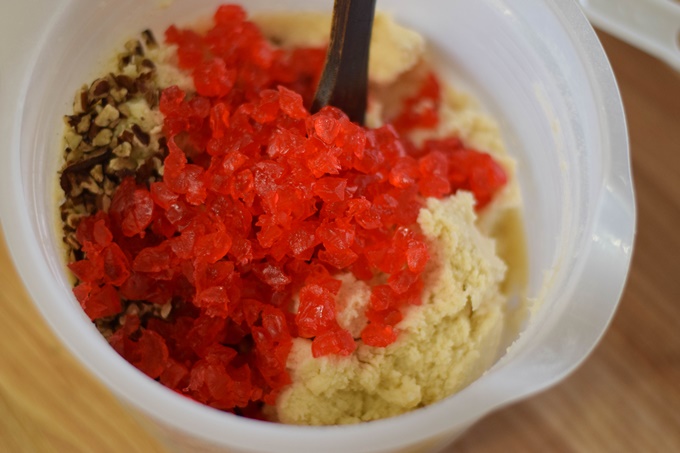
344, 81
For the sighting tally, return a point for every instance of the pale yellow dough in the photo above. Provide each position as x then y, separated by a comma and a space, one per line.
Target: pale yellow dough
394, 49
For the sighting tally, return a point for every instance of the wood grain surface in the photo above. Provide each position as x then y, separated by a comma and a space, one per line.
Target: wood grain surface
625, 398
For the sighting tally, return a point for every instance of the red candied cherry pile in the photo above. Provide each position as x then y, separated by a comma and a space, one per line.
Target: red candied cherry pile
262, 203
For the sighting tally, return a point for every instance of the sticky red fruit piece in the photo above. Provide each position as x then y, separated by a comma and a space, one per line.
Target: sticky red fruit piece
291, 103
326, 128
382, 297
215, 301
137, 216
417, 257
333, 342
405, 172
340, 259
213, 78
213, 246
229, 15
316, 312
401, 281
330, 189
219, 120
150, 354
87, 271
98, 302
434, 180
115, 265
378, 335
267, 108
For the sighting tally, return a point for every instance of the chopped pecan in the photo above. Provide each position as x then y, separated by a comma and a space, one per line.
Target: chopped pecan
123, 150
109, 187
73, 218
119, 94
72, 120
99, 88
73, 140
134, 47
96, 157
97, 173
80, 101
84, 148
92, 132
72, 242
165, 310
108, 114
148, 64
126, 136
126, 82
123, 61
91, 186
143, 137
84, 124
103, 137
152, 97
103, 202
124, 110
121, 163
149, 39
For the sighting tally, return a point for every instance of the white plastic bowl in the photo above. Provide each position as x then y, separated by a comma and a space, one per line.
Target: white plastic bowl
537, 66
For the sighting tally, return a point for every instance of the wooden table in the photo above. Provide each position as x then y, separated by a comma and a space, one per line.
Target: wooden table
625, 398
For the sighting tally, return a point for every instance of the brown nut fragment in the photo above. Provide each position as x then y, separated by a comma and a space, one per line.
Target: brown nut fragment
134, 47
72, 219
72, 120
148, 64
149, 39
103, 137
72, 242
123, 61
132, 310
97, 173
84, 148
124, 110
92, 132
91, 186
108, 114
119, 94
143, 137
98, 156
127, 136
99, 89
80, 101
103, 202
152, 97
84, 124
121, 163
124, 149
67, 181
76, 190
109, 187
72, 140
126, 82
165, 310
144, 82
112, 126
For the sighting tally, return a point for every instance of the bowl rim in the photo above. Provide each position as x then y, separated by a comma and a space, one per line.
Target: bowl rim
213, 426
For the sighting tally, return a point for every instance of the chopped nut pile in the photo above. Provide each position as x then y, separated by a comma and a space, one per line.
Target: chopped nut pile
111, 135
114, 132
